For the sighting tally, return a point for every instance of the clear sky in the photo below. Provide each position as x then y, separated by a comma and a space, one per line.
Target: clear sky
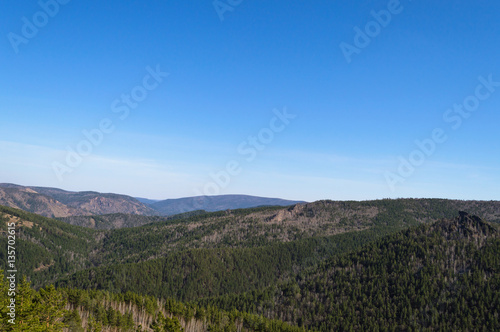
293, 99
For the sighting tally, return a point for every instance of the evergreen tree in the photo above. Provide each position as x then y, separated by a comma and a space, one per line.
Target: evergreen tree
34, 311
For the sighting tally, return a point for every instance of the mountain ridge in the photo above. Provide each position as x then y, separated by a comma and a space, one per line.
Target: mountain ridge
59, 203
324, 266
217, 203
439, 276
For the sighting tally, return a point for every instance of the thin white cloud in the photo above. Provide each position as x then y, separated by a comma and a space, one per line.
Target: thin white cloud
313, 176
32, 165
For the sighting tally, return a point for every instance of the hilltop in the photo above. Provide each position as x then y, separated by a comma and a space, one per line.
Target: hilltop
55, 203
442, 275
243, 228
216, 203
317, 217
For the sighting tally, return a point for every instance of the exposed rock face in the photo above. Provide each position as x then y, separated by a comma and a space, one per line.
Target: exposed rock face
290, 213
31, 201
103, 204
465, 226
324, 211
52, 202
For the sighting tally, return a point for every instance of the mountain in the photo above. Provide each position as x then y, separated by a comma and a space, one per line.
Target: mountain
53, 202
147, 200
216, 203
29, 200
322, 213
46, 248
243, 228
439, 276
112, 221
123, 220
207, 254
188, 275
322, 266
48, 257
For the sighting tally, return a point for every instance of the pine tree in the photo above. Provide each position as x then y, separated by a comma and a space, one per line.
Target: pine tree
34, 311
93, 326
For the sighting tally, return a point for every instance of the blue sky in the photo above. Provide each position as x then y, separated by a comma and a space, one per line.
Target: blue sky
352, 126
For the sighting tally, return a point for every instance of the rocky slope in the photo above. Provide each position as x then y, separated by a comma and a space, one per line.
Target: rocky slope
29, 200
53, 202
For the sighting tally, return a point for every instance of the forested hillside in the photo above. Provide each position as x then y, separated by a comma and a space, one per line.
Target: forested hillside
78, 311
54, 249
192, 274
323, 212
440, 276
323, 266
123, 220
46, 248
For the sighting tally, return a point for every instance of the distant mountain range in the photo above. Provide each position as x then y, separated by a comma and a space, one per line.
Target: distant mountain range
54, 202
216, 203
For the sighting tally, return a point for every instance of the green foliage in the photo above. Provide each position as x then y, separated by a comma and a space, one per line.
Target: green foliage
444, 276
34, 311
73, 321
49, 249
211, 318
166, 324
46, 248
193, 274
93, 325
243, 269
